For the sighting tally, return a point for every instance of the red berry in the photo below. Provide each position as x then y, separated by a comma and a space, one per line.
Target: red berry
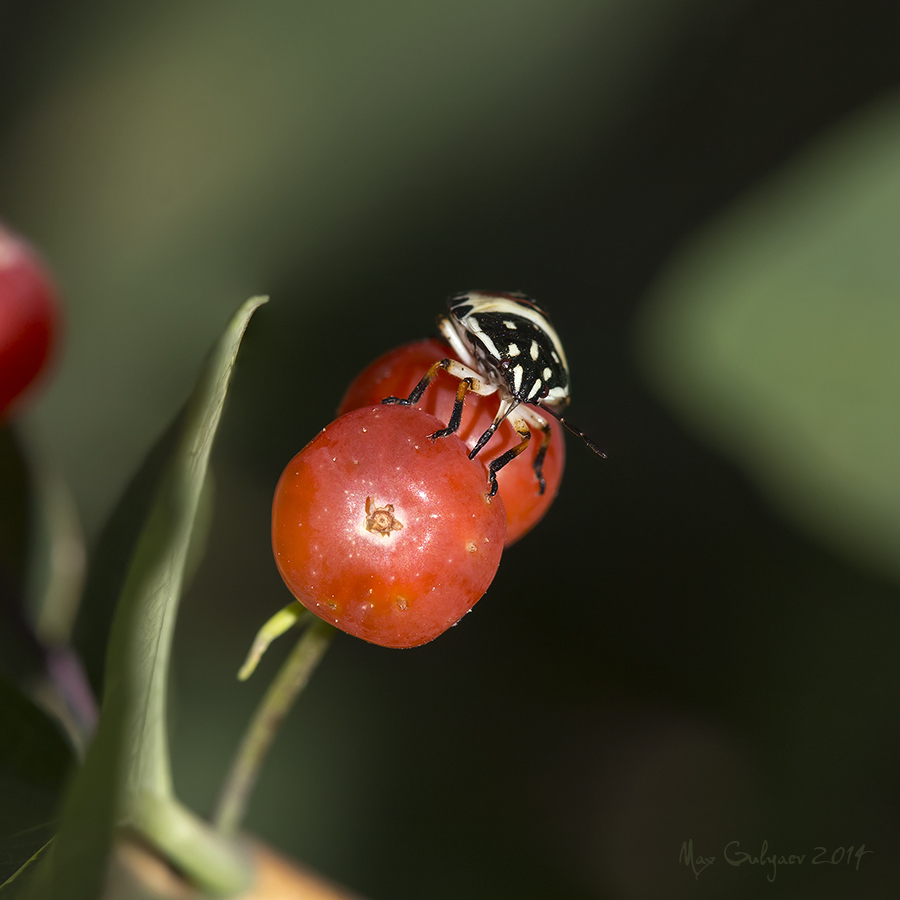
398, 372
385, 533
28, 317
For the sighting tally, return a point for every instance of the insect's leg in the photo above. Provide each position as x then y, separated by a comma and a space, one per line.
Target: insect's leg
507, 405
476, 383
505, 458
468, 381
536, 422
456, 416
538, 464
419, 389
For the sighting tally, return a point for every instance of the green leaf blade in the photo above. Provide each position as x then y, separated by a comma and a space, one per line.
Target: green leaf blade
127, 775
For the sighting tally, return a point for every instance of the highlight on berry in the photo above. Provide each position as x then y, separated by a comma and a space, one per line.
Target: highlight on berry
507, 346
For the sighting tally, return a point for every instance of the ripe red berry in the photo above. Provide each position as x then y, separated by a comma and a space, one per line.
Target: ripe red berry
385, 533
28, 317
397, 373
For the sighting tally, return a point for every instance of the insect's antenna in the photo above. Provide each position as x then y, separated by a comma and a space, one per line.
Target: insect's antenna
574, 429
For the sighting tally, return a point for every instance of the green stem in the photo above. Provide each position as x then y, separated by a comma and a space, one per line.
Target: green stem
216, 863
285, 619
274, 706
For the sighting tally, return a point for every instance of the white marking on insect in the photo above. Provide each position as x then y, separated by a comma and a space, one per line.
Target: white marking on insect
547, 373
485, 339
513, 350
534, 388
506, 306
517, 378
535, 351
510, 325
556, 395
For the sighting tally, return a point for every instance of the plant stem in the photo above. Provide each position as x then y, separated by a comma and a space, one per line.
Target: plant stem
188, 843
285, 619
274, 706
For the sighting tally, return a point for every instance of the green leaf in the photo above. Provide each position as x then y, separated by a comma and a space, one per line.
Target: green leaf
127, 777
118, 538
142, 633
776, 333
34, 761
13, 885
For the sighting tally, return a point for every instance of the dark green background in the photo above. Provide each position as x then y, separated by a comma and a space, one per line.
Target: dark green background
673, 654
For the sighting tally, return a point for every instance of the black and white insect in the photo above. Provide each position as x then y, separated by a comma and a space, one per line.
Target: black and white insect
507, 346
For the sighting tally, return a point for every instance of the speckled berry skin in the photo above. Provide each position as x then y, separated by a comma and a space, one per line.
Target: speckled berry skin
383, 532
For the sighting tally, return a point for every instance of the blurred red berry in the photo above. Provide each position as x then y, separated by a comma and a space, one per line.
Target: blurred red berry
398, 372
29, 318
383, 532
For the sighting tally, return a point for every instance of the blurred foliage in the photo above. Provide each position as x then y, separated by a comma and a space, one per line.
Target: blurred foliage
34, 761
668, 656
777, 331
180, 160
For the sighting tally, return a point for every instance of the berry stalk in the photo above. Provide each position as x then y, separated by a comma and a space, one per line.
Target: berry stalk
263, 728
